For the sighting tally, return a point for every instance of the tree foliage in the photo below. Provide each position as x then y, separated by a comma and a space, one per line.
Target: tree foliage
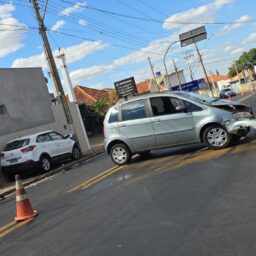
100, 107
246, 61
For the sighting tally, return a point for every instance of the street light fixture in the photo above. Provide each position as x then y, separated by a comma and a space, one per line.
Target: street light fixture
169, 83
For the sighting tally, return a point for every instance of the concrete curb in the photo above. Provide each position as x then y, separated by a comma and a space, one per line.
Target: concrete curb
64, 167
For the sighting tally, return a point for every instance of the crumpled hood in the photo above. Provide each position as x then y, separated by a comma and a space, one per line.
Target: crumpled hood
226, 102
231, 106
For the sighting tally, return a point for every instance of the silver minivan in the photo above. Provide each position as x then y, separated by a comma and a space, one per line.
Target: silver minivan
160, 120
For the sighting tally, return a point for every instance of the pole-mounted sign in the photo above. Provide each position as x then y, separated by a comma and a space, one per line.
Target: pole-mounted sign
126, 87
193, 36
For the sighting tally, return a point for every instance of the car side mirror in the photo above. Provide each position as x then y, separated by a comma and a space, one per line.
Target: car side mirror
181, 109
69, 136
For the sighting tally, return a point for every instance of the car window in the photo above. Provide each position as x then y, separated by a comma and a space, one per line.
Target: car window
16, 144
113, 117
55, 136
43, 138
165, 105
133, 110
190, 107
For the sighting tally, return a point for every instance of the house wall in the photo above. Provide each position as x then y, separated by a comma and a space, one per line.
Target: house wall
174, 80
24, 95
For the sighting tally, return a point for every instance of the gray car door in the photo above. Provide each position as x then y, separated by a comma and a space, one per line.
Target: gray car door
136, 127
172, 124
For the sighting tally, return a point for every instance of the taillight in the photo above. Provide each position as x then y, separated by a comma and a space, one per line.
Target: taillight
27, 149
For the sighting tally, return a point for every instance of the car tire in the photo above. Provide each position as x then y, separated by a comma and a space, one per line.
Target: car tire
120, 154
45, 163
76, 153
216, 137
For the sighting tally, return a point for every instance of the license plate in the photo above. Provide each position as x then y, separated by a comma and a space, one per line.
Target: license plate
13, 161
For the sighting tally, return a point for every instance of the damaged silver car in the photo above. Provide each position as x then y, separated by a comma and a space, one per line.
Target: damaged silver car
159, 120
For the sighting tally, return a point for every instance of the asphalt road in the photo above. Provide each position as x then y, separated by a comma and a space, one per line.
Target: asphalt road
180, 201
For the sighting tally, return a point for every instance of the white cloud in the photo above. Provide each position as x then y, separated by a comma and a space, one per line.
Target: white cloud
238, 24
250, 38
221, 3
6, 10
58, 25
80, 51
88, 73
10, 39
79, 6
73, 53
237, 51
82, 22
199, 14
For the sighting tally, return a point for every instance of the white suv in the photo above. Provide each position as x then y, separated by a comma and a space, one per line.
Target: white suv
37, 150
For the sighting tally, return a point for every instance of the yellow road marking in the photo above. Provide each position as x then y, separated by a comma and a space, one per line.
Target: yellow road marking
7, 226
246, 97
89, 184
95, 179
6, 232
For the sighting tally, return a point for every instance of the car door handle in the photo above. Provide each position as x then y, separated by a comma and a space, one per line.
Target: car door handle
122, 125
156, 120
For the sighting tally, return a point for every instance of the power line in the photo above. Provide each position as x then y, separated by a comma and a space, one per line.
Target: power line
134, 9
152, 8
160, 21
119, 35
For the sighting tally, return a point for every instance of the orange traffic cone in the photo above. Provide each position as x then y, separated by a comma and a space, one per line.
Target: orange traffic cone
23, 207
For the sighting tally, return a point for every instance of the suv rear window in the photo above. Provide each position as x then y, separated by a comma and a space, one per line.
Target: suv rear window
16, 144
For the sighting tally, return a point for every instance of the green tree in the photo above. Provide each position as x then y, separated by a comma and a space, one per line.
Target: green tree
246, 61
100, 107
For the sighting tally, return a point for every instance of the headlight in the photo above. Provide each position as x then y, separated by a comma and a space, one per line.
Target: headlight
240, 115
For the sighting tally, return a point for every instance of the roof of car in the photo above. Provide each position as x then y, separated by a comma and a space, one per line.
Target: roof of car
146, 95
30, 136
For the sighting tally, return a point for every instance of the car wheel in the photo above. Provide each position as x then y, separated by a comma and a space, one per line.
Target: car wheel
45, 163
216, 137
120, 154
76, 154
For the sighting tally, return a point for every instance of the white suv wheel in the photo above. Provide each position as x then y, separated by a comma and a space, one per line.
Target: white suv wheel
45, 164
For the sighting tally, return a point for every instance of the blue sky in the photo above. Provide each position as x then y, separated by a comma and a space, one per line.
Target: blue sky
119, 45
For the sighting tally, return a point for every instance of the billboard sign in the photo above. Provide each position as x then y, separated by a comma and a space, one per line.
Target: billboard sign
191, 86
126, 87
193, 36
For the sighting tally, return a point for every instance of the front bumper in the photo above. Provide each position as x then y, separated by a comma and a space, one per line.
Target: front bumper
235, 126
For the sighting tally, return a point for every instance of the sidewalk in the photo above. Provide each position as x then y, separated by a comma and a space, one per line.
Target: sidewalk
96, 149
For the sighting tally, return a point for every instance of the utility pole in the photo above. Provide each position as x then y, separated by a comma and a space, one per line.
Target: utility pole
237, 73
205, 74
188, 55
177, 74
152, 69
51, 63
84, 142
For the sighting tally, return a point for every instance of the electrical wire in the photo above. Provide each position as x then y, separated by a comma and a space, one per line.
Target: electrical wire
159, 21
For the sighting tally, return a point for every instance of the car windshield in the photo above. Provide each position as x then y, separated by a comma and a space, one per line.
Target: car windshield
196, 97
16, 144
226, 90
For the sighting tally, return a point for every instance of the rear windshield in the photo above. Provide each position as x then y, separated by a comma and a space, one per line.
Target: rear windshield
16, 144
